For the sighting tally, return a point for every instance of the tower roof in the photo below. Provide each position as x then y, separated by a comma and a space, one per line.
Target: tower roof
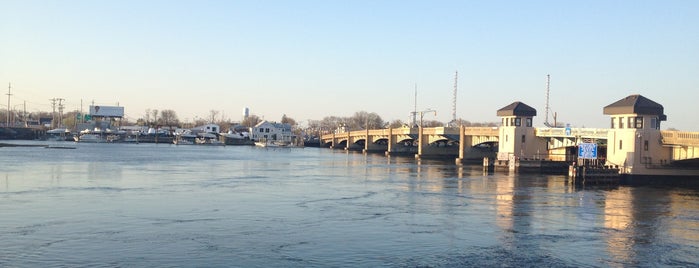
635, 104
517, 109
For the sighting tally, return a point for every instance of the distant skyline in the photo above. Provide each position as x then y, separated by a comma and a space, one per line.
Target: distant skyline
311, 59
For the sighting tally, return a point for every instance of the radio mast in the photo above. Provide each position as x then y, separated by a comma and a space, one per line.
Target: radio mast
548, 83
453, 103
415, 108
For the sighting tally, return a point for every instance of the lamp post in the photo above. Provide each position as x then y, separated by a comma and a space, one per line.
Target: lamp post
422, 114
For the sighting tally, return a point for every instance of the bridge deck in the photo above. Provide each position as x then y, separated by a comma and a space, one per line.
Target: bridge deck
679, 138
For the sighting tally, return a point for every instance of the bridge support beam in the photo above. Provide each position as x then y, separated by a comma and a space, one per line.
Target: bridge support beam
391, 141
420, 142
462, 145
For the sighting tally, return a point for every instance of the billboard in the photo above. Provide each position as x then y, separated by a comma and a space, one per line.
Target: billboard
106, 111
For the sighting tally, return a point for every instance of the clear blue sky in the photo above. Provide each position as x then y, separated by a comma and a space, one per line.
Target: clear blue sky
311, 59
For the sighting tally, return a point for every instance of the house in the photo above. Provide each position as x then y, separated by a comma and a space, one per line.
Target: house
272, 131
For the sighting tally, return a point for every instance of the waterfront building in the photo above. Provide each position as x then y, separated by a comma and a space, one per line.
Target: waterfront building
272, 131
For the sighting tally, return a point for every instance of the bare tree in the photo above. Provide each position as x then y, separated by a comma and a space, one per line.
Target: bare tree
364, 120
155, 116
213, 116
288, 120
432, 123
331, 123
396, 124
251, 120
168, 118
146, 118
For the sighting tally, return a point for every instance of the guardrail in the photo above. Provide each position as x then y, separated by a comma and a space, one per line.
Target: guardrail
597, 133
684, 138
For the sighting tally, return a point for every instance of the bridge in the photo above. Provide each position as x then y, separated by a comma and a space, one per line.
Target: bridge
432, 142
634, 143
474, 143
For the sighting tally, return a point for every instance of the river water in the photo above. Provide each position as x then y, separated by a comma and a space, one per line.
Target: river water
148, 205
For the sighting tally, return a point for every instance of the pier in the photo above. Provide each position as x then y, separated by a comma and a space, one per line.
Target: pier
633, 146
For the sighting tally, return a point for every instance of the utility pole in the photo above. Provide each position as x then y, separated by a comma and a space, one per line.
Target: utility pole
24, 115
60, 112
9, 88
53, 114
422, 113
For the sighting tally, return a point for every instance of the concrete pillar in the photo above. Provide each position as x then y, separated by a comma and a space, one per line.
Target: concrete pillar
347, 144
333, 142
420, 141
462, 145
390, 142
367, 140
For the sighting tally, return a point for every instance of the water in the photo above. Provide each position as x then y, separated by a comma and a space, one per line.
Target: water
147, 205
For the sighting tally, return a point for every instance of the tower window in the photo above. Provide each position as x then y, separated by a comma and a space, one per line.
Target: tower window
639, 122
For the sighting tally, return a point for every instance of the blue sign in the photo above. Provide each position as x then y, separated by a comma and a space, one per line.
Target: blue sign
587, 151
568, 130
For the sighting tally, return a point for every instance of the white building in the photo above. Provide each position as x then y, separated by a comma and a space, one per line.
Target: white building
272, 131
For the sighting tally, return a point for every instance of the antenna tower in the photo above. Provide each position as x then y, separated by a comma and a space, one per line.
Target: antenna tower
415, 108
548, 84
453, 103
9, 87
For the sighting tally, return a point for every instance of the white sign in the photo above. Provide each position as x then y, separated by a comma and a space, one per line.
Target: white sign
106, 111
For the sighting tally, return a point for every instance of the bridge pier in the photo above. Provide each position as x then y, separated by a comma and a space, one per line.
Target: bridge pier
394, 147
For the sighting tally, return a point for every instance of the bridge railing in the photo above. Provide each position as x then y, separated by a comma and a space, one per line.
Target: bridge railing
482, 131
684, 138
597, 133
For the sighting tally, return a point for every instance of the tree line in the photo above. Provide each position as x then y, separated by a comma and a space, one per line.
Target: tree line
358, 121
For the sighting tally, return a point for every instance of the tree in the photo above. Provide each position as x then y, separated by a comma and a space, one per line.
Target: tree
365, 120
396, 124
155, 116
146, 118
288, 120
168, 118
213, 116
251, 120
331, 123
432, 123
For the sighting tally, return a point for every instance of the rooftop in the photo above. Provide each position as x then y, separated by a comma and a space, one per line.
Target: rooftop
517, 109
635, 104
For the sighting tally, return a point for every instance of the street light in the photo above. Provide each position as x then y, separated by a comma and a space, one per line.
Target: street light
422, 114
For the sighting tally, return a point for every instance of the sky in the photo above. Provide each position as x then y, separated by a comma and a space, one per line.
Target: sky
312, 59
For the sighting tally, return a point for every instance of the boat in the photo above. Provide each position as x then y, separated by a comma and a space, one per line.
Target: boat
273, 143
58, 134
208, 139
97, 135
233, 137
89, 137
